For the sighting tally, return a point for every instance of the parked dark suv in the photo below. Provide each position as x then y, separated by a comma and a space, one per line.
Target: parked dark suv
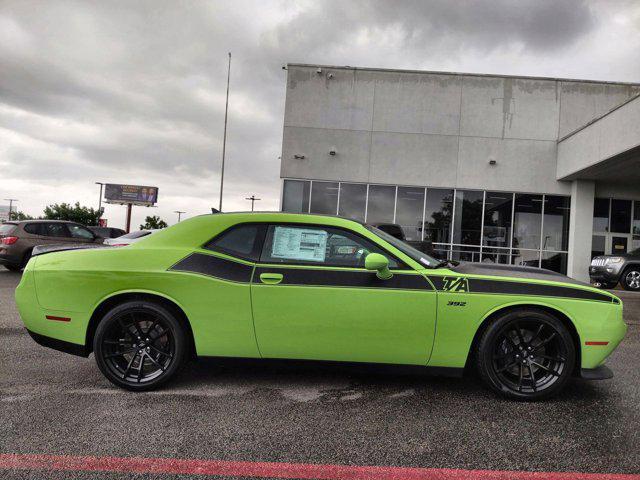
607, 270
17, 239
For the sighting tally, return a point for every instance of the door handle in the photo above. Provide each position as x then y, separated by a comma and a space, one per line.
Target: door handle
271, 278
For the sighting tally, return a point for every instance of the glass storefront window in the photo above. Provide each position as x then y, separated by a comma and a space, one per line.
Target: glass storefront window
465, 253
437, 217
467, 217
381, 204
556, 222
353, 201
469, 225
527, 221
496, 231
601, 215
555, 261
527, 258
620, 216
324, 198
409, 208
496, 255
598, 243
295, 196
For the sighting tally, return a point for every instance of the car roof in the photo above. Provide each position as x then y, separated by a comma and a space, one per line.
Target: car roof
283, 214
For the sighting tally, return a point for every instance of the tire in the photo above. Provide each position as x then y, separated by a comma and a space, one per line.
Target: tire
631, 278
547, 350
13, 268
608, 286
128, 357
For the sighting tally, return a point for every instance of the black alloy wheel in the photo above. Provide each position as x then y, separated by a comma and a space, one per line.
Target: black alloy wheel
526, 354
139, 345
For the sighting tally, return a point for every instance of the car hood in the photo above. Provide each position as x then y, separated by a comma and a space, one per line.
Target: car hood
515, 271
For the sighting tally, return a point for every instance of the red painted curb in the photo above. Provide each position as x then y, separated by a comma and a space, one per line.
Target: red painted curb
278, 470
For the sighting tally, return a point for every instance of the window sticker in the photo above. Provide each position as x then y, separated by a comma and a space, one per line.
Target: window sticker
299, 244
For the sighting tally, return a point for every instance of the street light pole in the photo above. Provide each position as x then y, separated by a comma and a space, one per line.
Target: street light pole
100, 197
179, 214
224, 136
10, 200
253, 200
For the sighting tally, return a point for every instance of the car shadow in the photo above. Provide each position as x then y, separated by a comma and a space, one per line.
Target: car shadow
336, 381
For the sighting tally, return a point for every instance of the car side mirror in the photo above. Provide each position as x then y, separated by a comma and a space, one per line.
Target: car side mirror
379, 264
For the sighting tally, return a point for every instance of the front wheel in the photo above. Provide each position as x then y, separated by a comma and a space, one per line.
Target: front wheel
526, 354
631, 279
139, 345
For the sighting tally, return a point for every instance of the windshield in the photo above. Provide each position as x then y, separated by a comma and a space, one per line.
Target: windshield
405, 248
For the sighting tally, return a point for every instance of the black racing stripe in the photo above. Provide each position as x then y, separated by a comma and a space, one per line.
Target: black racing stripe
505, 287
215, 267
344, 278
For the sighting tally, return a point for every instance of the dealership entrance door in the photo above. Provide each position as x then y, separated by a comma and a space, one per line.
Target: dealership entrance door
610, 244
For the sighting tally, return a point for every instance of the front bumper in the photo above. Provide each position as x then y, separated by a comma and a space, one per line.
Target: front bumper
604, 274
599, 373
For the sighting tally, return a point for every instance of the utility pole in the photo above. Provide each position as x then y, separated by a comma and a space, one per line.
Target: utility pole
179, 214
224, 137
10, 200
100, 198
253, 200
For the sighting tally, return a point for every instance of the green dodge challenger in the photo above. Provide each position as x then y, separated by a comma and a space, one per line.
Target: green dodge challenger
289, 286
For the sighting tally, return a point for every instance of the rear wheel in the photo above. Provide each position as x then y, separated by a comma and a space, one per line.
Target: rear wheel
13, 268
631, 279
139, 345
526, 354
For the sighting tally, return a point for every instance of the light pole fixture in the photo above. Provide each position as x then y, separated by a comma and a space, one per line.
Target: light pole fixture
100, 198
179, 214
224, 136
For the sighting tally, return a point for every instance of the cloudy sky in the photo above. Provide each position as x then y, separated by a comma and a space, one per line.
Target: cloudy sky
133, 91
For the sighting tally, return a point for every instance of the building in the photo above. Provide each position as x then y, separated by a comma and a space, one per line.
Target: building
493, 168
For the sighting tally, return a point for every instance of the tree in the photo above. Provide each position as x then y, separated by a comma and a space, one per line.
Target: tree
153, 223
74, 213
20, 216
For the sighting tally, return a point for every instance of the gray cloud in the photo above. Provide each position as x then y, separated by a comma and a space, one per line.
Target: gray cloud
134, 91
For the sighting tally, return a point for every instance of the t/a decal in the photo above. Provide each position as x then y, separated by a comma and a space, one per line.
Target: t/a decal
456, 304
455, 284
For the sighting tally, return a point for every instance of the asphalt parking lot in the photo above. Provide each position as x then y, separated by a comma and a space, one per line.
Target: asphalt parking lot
57, 404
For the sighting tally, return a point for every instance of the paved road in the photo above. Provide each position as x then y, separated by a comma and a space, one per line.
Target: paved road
53, 403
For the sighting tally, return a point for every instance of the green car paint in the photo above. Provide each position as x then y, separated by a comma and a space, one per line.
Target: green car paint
422, 315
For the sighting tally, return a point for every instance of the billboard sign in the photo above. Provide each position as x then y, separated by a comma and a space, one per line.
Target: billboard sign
134, 194
4, 213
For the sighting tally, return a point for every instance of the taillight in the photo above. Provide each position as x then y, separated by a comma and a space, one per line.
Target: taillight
9, 240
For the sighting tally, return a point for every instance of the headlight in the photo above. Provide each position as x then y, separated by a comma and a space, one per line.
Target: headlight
613, 260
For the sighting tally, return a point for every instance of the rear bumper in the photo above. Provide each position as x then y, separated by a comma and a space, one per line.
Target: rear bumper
8, 259
60, 345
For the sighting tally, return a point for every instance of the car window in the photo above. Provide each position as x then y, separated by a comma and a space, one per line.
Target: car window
242, 241
80, 232
56, 230
7, 228
33, 228
313, 245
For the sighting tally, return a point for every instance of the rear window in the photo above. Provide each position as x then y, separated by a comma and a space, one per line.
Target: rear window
242, 241
7, 228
